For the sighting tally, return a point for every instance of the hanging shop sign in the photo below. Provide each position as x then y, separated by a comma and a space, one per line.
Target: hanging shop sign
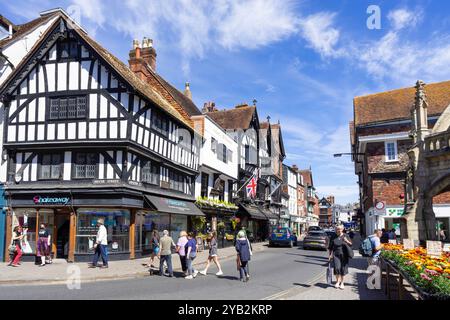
395, 212
39, 200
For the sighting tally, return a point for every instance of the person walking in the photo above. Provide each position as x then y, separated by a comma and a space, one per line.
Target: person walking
375, 240
43, 245
191, 253
181, 250
155, 248
16, 241
243, 255
101, 245
338, 253
166, 245
213, 255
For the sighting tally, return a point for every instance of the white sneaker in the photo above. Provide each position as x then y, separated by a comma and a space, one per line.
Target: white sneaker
342, 286
195, 273
203, 272
219, 273
189, 277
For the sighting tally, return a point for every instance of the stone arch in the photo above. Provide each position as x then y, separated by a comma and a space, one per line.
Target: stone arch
439, 185
443, 123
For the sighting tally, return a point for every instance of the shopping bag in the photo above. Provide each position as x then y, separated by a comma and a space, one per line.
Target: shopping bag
329, 273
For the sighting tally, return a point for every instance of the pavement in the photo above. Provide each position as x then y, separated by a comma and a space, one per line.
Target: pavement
59, 271
355, 284
272, 270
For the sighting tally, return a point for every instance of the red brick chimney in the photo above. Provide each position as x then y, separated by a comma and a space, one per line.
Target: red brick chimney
142, 57
149, 53
136, 61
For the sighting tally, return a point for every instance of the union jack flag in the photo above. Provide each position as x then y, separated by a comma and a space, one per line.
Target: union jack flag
251, 187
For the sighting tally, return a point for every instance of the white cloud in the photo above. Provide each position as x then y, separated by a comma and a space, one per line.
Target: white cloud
254, 23
318, 32
403, 18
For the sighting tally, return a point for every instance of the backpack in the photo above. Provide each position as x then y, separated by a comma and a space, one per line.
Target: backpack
366, 249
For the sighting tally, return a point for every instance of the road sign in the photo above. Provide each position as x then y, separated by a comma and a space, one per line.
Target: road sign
380, 208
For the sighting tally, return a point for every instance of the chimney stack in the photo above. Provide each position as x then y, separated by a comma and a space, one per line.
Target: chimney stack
149, 53
136, 62
209, 107
187, 90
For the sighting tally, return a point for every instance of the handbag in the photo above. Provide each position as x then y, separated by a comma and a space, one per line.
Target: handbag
329, 273
12, 249
349, 251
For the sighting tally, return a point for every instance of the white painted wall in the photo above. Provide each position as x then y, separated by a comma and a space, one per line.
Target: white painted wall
209, 158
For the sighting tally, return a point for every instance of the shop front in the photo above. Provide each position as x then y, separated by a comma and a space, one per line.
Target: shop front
71, 219
254, 221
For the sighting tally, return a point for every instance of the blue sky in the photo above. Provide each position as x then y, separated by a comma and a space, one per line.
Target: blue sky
303, 61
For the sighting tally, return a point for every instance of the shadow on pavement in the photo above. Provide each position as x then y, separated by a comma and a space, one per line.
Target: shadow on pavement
318, 264
302, 285
228, 277
308, 256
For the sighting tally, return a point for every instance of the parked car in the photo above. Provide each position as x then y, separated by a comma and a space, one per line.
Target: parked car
314, 228
331, 234
316, 239
281, 236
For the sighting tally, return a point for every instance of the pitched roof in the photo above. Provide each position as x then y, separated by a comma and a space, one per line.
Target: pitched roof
123, 70
22, 29
396, 104
307, 177
237, 118
184, 101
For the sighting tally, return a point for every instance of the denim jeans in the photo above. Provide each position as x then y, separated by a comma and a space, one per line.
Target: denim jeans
101, 250
190, 268
244, 269
168, 259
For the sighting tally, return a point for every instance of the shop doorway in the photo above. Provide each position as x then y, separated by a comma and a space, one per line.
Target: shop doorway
62, 235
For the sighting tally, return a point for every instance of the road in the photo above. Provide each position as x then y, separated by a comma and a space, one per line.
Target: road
272, 270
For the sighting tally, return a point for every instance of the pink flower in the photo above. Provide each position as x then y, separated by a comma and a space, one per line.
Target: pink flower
409, 263
432, 272
424, 276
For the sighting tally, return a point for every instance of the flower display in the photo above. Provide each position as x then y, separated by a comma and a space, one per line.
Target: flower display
432, 275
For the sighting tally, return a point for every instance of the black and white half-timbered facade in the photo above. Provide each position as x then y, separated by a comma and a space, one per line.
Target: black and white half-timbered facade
86, 137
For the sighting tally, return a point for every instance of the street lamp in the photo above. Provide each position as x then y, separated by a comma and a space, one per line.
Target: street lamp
338, 155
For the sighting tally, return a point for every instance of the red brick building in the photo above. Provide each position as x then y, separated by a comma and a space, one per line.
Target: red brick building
380, 138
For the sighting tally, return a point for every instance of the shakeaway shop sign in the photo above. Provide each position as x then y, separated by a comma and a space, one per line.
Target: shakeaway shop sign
39, 200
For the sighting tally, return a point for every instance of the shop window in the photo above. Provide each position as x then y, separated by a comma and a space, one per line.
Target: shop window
26, 218
150, 173
50, 166
85, 166
152, 221
117, 223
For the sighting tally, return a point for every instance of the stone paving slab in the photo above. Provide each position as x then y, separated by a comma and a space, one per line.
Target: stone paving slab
59, 271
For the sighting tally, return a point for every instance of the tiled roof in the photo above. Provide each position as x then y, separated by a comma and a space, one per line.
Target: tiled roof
187, 104
22, 29
237, 118
396, 104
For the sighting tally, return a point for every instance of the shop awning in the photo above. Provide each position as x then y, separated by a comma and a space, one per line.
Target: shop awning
269, 214
171, 205
253, 211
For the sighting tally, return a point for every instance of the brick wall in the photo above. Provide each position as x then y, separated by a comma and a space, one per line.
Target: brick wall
442, 198
388, 191
376, 156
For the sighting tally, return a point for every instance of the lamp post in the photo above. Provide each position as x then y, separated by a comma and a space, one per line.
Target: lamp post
338, 155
